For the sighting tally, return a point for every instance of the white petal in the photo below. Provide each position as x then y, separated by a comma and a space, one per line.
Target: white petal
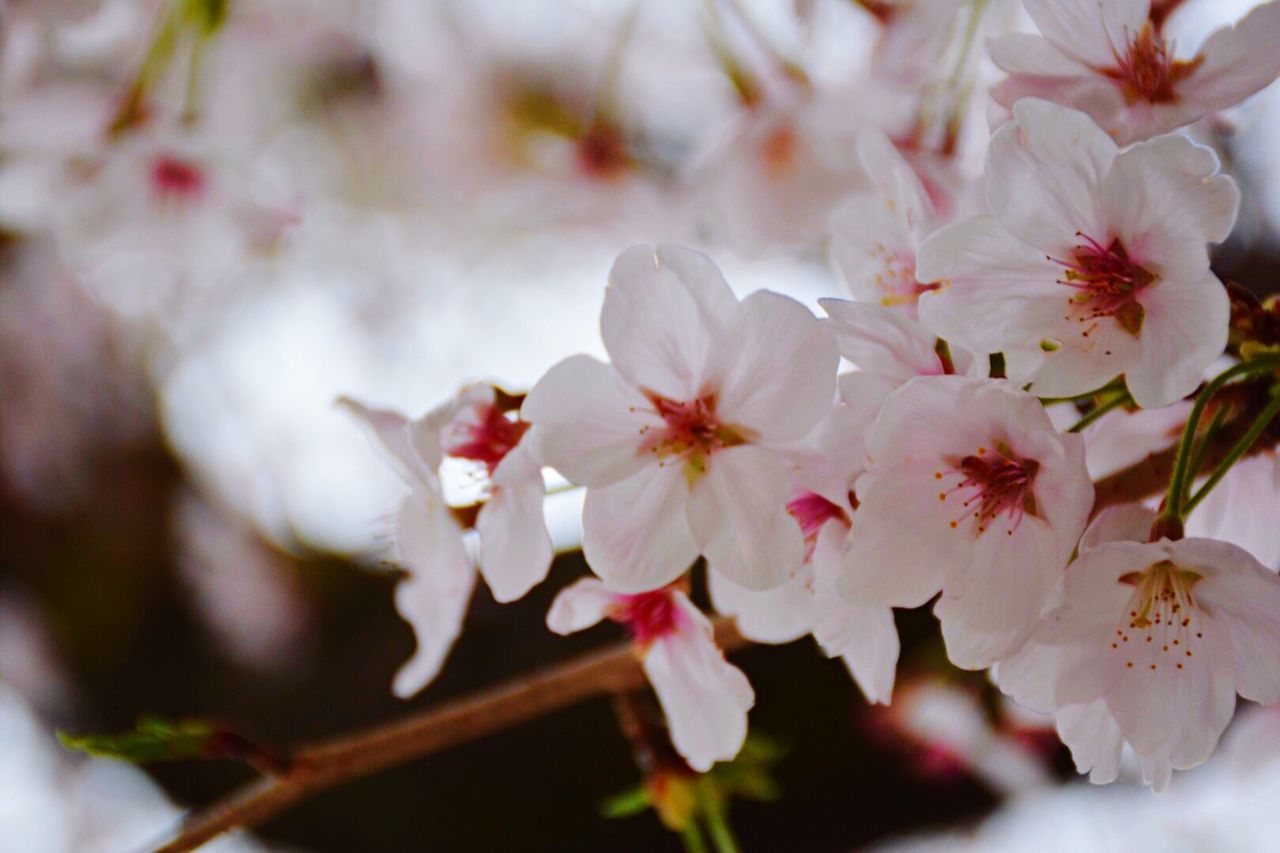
579, 606
777, 615
515, 546
635, 534
390, 430
1241, 509
664, 313
1123, 523
1238, 60
894, 179
705, 698
882, 341
1094, 738
1034, 55
588, 422
433, 598
780, 377
1184, 331
1090, 30
737, 510
1044, 175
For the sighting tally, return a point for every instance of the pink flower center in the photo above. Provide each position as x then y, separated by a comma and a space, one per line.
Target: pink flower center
779, 151
1147, 71
691, 432
1107, 284
812, 511
648, 616
602, 152
172, 178
895, 277
1160, 630
993, 484
487, 439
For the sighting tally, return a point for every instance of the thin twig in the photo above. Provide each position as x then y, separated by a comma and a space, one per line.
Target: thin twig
329, 764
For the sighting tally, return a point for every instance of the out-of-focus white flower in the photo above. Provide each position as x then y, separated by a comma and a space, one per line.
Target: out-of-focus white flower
705, 698
970, 491
678, 439
914, 38
514, 545
1111, 60
1241, 509
1149, 646
1094, 264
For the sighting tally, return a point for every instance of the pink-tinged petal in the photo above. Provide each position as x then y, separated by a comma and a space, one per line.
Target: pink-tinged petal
1165, 200
1034, 55
665, 312
1044, 174
738, 512
1238, 61
989, 609
780, 377
390, 430
588, 423
1183, 332
1094, 738
1089, 30
433, 598
634, 532
1123, 523
580, 605
1121, 438
894, 180
882, 341
995, 293
874, 252
1030, 676
767, 616
1244, 597
865, 638
515, 546
885, 565
705, 698
1241, 509
1094, 597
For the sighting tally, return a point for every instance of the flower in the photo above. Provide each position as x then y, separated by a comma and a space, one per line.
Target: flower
1241, 508
1149, 646
1112, 60
705, 697
875, 234
678, 440
971, 491
1094, 263
514, 545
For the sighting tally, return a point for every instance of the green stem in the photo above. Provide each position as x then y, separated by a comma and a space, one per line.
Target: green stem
691, 837
1099, 410
1178, 481
1238, 452
1201, 450
719, 829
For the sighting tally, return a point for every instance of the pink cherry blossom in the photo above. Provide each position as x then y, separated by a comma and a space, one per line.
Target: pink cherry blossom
876, 234
1112, 60
678, 440
705, 698
971, 492
1094, 264
1149, 646
514, 544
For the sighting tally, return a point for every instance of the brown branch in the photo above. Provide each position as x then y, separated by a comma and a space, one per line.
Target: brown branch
329, 764
612, 670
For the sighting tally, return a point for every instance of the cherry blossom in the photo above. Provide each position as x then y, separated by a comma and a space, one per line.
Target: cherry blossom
678, 439
1094, 263
971, 492
1149, 646
1112, 60
514, 545
705, 698
876, 234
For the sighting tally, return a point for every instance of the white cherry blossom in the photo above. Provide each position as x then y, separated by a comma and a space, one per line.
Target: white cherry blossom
705, 698
678, 439
1094, 263
514, 544
970, 491
1112, 60
1149, 646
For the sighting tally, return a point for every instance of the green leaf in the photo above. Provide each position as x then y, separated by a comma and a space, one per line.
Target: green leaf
153, 740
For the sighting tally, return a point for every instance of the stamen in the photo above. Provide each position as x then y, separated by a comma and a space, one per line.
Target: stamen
998, 484
1107, 283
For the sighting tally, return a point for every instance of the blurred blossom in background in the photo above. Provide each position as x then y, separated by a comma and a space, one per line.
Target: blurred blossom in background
208, 235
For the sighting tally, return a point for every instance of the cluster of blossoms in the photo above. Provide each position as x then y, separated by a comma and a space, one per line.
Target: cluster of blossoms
994, 350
